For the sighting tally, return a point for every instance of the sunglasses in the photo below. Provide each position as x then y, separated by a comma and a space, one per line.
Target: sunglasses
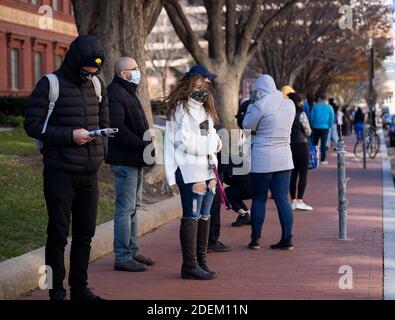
86, 73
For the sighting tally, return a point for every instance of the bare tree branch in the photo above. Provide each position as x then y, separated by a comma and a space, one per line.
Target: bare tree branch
185, 32
254, 47
231, 33
214, 29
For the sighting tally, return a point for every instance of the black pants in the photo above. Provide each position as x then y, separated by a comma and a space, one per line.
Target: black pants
215, 222
236, 196
300, 155
67, 194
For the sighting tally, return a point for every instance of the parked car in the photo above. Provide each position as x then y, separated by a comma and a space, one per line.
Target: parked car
391, 131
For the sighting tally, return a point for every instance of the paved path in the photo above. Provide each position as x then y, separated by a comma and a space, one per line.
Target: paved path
308, 272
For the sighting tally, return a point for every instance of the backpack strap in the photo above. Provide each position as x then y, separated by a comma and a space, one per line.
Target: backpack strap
53, 97
97, 86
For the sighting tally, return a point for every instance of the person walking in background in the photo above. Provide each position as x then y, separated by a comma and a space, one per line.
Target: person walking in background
346, 121
126, 159
340, 122
322, 119
300, 134
190, 139
333, 137
359, 123
271, 115
71, 161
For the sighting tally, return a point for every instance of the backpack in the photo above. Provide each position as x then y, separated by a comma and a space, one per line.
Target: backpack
53, 97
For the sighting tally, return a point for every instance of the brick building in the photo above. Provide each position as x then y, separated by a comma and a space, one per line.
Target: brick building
30, 46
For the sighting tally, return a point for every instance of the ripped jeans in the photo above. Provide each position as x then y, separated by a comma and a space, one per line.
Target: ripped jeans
196, 198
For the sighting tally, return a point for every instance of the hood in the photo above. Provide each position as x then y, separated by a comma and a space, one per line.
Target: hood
263, 87
82, 52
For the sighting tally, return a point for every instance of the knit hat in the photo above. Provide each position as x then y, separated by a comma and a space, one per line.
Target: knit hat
286, 90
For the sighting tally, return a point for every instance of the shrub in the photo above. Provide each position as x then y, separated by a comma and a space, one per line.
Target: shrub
13, 106
13, 121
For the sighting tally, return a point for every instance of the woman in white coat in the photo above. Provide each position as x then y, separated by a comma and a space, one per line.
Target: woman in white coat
190, 148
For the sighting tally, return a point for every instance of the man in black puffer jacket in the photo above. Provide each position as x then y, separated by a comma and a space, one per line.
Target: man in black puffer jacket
126, 156
71, 161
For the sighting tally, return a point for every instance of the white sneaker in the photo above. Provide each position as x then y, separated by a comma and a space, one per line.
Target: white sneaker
293, 205
324, 162
302, 206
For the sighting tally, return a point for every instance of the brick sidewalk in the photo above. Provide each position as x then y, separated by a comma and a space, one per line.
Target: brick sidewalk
310, 271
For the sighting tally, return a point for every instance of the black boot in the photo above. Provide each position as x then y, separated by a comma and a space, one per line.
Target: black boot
254, 244
284, 244
202, 243
242, 220
84, 294
57, 295
188, 238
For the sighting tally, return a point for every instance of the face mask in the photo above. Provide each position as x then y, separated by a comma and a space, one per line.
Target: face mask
200, 95
135, 77
84, 74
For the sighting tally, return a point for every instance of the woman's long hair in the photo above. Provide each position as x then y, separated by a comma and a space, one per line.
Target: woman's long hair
297, 100
182, 93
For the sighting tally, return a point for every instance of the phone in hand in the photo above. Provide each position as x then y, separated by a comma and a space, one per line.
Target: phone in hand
108, 132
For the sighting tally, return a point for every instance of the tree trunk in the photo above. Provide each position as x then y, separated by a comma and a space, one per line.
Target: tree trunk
121, 26
226, 93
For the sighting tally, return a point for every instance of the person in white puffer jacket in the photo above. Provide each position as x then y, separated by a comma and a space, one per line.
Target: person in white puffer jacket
190, 147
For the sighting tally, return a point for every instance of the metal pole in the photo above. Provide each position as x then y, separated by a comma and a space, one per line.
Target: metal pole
371, 78
364, 146
342, 188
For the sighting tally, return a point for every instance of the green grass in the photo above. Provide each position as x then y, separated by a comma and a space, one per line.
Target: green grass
23, 216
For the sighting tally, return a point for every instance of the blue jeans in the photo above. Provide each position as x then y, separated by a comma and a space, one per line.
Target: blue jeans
321, 134
359, 127
128, 190
278, 183
195, 204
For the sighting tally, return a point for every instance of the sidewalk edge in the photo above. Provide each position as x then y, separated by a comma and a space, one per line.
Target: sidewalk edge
388, 223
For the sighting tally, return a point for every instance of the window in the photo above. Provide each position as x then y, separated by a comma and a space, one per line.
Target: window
58, 61
56, 5
15, 69
37, 66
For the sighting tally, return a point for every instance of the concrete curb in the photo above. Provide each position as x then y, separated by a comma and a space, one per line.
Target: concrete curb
21, 274
388, 223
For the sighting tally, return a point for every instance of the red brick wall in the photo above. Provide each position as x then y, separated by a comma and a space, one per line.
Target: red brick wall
29, 40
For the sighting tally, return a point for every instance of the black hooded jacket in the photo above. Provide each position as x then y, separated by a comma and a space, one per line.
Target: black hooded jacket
77, 107
127, 114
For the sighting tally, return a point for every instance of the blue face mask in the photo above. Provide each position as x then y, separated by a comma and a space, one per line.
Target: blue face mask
136, 77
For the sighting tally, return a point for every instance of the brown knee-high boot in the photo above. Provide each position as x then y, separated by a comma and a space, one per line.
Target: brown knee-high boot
188, 238
202, 243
